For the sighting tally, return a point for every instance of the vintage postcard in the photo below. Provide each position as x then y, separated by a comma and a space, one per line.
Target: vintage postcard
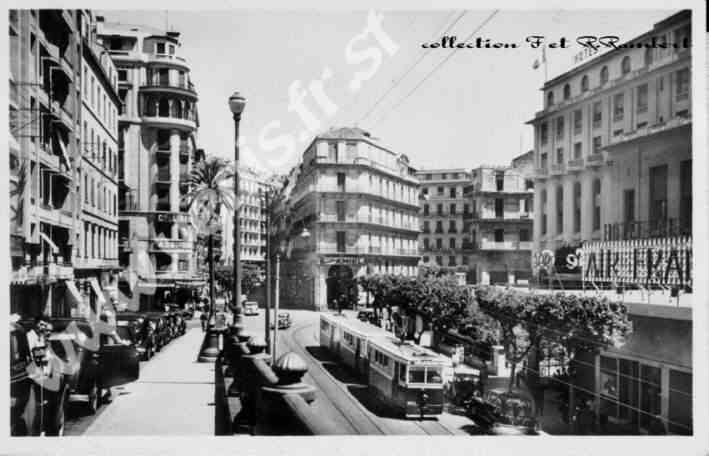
458, 225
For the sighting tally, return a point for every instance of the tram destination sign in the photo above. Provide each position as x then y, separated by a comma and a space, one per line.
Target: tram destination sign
348, 260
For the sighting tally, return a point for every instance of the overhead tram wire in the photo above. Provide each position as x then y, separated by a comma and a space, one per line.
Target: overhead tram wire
398, 80
430, 73
354, 100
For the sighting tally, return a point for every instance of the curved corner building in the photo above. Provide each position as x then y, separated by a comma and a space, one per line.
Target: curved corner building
156, 146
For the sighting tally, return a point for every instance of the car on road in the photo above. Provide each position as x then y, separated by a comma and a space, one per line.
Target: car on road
114, 363
284, 321
251, 308
135, 327
366, 315
503, 412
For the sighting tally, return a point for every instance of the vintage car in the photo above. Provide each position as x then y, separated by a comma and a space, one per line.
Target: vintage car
366, 315
135, 327
161, 327
20, 383
503, 412
115, 361
251, 308
284, 321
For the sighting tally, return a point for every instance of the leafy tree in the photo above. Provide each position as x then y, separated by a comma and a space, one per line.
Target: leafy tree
209, 193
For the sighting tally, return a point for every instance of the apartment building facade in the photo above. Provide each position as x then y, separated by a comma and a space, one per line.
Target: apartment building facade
613, 179
500, 223
96, 262
350, 208
156, 144
44, 113
252, 220
445, 237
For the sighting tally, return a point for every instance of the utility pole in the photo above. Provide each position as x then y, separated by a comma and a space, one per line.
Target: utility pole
267, 201
276, 299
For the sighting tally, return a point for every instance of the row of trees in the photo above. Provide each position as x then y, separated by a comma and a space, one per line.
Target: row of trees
523, 323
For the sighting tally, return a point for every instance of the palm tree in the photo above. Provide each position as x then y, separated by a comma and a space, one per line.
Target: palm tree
209, 192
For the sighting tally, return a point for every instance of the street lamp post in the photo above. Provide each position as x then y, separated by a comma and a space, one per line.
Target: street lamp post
236, 105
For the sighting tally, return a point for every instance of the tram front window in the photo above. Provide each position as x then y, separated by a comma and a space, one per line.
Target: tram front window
417, 375
433, 376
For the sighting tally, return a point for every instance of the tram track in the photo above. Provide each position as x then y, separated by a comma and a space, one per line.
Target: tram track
293, 345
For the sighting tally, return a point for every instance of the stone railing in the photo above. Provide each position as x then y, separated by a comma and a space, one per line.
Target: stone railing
273, 400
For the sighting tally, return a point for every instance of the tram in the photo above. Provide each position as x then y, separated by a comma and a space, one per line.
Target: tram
404, 375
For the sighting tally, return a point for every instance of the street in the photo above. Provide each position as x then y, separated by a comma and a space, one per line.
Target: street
175, 394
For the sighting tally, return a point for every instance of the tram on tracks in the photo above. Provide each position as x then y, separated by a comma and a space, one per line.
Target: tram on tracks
404, 375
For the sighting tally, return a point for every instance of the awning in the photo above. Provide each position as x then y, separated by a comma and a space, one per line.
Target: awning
99, 292
62, 147
49, 242
73, 293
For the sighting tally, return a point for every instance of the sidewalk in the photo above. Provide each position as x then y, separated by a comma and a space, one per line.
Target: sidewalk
174, 395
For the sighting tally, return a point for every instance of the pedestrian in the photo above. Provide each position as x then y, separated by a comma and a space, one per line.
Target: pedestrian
585, 418
203, 320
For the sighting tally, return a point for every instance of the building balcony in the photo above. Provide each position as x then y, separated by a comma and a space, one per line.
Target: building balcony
557, 169
167, 58
96, 263
651, 229
575, 165
168, 122
183, 89
594, 160
541, 173
371, 250
504, 245
332, 218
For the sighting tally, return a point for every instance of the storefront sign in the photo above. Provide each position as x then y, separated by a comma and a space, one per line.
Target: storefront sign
666, 262
352, 260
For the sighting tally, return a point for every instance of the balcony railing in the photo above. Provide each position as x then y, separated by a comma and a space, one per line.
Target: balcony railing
557, 168
646, 229
375, 250
376, 220
575, 165
594, 160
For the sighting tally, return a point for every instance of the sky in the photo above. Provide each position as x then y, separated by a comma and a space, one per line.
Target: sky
455, 108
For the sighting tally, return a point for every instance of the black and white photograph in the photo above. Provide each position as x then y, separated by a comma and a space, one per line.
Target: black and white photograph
465, 222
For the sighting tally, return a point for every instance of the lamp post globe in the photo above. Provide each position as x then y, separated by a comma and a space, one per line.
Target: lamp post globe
237, 103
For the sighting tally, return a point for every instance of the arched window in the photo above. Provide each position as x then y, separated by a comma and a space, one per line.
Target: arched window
550, 99
164, 108
567, 91
93, 144
86, 137
648, 56
604, 75
596, 201
625, 65
103, 155
187, 111
584, 83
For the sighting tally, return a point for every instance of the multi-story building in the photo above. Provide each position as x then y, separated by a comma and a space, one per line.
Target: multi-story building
156, 148
350, 208
500, 222
96, 261
613, 152
444, 238
44, 111
252, 220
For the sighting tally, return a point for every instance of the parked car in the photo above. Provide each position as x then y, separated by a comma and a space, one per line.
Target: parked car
136, 328
251, 308
503, 412
113, 364
160, 327
20, 383
284, 321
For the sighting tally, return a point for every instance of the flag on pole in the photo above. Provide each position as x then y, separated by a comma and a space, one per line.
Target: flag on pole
537, 63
